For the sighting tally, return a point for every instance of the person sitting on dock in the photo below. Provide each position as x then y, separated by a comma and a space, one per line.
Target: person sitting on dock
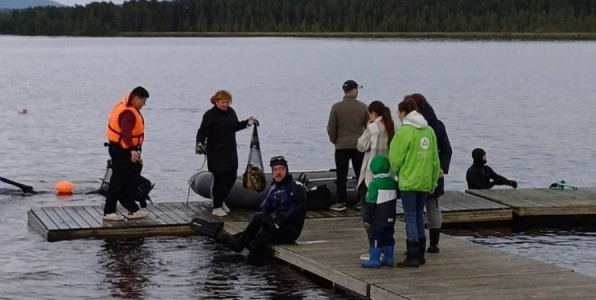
479, 175
280, 220
379, 214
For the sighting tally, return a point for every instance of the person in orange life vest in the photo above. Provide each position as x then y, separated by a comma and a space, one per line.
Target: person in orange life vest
125, 133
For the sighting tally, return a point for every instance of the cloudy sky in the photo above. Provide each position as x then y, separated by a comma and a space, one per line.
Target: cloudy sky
83, 2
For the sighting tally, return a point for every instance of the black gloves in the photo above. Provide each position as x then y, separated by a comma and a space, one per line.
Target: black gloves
513, 183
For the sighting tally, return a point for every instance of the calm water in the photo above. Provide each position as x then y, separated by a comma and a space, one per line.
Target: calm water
529, 104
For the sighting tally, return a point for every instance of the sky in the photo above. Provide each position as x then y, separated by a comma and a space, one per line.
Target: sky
84, 2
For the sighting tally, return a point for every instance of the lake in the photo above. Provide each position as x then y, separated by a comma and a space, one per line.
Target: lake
529, 104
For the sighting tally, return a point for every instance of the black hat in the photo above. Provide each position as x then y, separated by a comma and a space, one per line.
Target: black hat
478, 155
278, 161
350, 84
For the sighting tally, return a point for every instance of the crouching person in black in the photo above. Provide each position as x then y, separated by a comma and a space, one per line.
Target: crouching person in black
280, 220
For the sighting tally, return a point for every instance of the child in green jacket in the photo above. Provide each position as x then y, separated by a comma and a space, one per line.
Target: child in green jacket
379, 213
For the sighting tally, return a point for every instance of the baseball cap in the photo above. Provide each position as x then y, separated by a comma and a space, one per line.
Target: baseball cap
350, 84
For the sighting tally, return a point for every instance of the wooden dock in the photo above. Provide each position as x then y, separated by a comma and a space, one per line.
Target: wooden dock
331, 243
543, 202
330, 248
172, 218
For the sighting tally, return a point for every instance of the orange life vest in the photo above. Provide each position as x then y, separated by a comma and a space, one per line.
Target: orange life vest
114, 131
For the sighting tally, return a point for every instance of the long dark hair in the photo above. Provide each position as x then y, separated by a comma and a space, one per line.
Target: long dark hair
380, 109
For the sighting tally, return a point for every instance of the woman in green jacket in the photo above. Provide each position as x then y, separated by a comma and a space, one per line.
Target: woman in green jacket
415, 159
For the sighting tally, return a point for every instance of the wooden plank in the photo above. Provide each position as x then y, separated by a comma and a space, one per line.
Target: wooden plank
93, 222
96, 212
44, 219
501, 215
539, 202
55, 218
148, 221
183, 210
173, 213
162, 216
36, 224
64, 211
123, 232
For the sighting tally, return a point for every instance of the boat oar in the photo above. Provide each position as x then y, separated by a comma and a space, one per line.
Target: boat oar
26, 189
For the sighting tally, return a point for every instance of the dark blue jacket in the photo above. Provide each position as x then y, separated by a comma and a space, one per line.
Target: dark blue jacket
285, 203
443, 145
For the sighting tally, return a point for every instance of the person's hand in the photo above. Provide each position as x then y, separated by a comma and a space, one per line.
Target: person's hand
513, 183
200, 149
441, 173
253, 121
366, 226
134, 156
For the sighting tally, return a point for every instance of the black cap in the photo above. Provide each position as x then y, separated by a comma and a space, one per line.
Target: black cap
350, 84
278, 161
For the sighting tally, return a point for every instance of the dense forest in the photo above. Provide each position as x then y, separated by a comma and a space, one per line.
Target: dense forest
278, 16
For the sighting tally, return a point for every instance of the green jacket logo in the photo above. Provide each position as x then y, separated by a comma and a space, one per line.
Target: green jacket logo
424, 143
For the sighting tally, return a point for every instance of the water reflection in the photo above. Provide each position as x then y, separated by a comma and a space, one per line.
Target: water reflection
228, 275
126, 264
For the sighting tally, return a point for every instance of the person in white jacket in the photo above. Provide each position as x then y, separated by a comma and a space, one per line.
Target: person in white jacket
374, 141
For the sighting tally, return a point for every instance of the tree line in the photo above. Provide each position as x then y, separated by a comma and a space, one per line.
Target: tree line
152, 16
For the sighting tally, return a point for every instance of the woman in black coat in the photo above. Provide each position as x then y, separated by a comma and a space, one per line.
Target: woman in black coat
216, 138
433, 210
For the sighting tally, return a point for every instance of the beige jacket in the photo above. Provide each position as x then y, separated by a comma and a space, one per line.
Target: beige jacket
372, 142
347, 121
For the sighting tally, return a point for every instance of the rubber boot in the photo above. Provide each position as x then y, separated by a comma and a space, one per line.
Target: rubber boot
411, 261
236, 244
422, 244
434, 240
375, 258
387, 256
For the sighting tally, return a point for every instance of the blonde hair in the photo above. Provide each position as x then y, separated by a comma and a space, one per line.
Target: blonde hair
221, 95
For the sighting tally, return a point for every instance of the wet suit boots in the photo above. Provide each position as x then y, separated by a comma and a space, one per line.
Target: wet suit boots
214, 229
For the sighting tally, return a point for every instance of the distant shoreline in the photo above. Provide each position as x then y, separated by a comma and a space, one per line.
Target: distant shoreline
406, 35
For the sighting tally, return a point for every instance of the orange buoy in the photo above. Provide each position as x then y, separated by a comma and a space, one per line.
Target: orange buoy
64, 188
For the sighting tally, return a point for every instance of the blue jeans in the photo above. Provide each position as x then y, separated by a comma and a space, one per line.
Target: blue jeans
413, 204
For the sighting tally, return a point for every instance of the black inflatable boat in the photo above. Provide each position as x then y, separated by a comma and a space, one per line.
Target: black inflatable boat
200, 183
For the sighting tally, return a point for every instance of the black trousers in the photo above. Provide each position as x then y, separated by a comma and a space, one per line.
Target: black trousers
342, 165
259, 235
362, 190
222, 185
123, 183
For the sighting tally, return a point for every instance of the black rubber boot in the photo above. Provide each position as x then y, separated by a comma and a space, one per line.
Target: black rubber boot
434, 240
422, 247
236, 243
411, 261
206, 227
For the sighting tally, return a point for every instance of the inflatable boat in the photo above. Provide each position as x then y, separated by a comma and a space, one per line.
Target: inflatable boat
240, 197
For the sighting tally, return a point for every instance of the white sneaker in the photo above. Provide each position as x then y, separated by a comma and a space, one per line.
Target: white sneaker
113, 217
225, 207
219, 212
138, 214
365, 256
